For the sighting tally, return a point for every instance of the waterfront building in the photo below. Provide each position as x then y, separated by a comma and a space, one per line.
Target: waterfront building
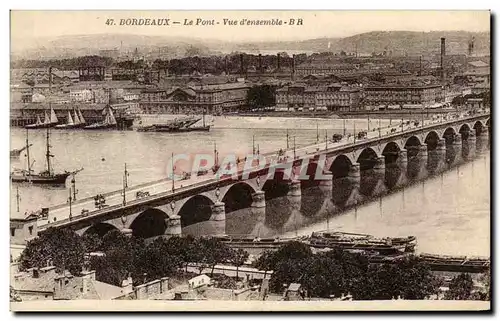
80, 95
327, 97
195, 99
404, 95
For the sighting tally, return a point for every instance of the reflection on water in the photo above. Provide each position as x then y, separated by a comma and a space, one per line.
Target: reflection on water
449, 212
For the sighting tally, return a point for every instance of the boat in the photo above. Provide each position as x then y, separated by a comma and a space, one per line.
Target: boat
71, 123
48, 176
178, 125
49, 121
80, 117
108, 123
362, 242
17, 152
451, 263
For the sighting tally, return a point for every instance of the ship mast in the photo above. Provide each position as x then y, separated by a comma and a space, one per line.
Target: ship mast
28, 153
48, 155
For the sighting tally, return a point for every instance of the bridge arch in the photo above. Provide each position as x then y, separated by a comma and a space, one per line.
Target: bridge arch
340, 166
478, 127
238, 196
100, 229
413, 141
431, 139
150, 223
464, 130
391, 152
274, 188
197, 208
367, 158
449, 134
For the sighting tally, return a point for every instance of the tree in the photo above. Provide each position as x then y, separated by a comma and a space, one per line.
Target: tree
460, 287
381, 282
265, 262
155, 262
238, 258
261, 96
213, 252
323, 277
417, 281
122, 259
286, 272
91, 242
62, 247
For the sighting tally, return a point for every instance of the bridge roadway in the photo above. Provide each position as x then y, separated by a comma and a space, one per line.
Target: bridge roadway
60, 215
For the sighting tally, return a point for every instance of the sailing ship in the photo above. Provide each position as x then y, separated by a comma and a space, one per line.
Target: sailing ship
179, 125
72, 122
49, 121
48, 176
108, 123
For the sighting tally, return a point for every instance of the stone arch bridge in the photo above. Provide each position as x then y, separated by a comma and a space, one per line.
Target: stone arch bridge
166, 213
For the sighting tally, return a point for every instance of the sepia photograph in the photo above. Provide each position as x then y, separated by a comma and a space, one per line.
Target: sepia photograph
250, 160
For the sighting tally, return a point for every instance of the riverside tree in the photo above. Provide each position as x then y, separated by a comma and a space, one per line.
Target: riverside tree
460, 287
59, 247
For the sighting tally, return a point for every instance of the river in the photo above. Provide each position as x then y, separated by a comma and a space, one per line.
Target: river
448, 214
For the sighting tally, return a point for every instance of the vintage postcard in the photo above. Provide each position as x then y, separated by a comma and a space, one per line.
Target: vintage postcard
250, 160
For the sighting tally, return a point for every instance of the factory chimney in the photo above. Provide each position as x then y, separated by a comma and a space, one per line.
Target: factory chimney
443, 53
278, 66
293, 67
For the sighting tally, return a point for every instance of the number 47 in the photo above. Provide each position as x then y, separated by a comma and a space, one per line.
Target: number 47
110, 22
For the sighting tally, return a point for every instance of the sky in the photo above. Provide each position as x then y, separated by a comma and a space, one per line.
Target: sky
29, 25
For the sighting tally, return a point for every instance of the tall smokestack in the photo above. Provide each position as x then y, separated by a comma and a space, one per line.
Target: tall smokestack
260, 63
443, 53
278, 66
293, 67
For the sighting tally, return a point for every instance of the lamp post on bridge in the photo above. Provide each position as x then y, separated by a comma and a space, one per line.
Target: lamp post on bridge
173, 174
287, 139
317, 133
326, 139
73, 186
379, 129
253, 145
70, 200
126, 174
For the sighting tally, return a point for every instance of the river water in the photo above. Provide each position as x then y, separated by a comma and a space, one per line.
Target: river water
449, 213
